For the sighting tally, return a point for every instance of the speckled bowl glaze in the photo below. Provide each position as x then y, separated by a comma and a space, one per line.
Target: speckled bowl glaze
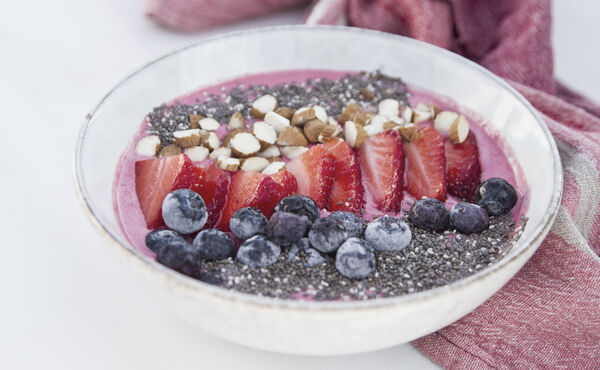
318, 328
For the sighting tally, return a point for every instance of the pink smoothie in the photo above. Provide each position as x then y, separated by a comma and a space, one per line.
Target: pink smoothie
496, 156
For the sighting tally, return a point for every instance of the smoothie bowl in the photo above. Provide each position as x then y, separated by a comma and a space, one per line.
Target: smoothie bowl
319, 190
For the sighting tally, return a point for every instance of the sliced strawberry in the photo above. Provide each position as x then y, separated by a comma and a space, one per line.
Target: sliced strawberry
426, 165
248, 189
314, 171
346, 192
381, 161
154, 179
462, 167
288, 184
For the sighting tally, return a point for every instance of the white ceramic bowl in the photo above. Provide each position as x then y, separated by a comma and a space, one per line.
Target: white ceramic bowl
318, 327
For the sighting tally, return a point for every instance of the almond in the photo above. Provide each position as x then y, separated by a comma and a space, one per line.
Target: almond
444, 120
312, 129
332, 121
210, 140
262, 105
406, 113
422, 112
354, 134
170, 150
274, 159
232, 134
459, 130
366, 93
236, 121
265, 133
209, 124
388, 107
409, 132
329, 132
269, 152
187, 138
194, 119
292, 152
197, 153
254, 164
353, 112
305, 114
375, 125
244, 144
286, 112
278, 121
148, 145
434, 110
292, 136
390, 125
273, 168
220, 152
228, 163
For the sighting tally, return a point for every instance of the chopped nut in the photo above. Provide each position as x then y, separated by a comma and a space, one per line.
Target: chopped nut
269, 152
148, 145
187, 138
444, 120
273, 168
210, 140
434, 110
197, 153
353, 112
209, 124
388, 107
292, 136
254, 164
367, 94
332, 121
236, 121
375, 125
354, 134
409, 132
244, 144
232, 134
459, 130
422, 112
278, 121
390, 125
194, 119
292, 152
329, 132
312, 129
262, 105
286, 112
220, 152
170, 150
228, 163
265, 133
406, 113
305, 114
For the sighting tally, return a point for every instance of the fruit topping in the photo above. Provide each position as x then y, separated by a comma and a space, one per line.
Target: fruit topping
247, 222
462, 167
468, 218
496, 196
315, 257
429, 214
315, 172
353, 224
184, 211
346, 191
287, 184
213, 245
180, 256
355, 259
327, 234
388, 234
300, 205
426, 166
157, 239
301, 245
285, 228
258, 252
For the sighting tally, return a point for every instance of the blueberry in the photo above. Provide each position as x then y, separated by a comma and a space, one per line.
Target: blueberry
315, 257
294, 249
156, 239
353, 224
184, 211
327, 234
468, 218
496, 196
247, 222
285, 228
213, 245
300, 205
429, 214
388, 234
258, 252
179, 255
210, 277
355, 259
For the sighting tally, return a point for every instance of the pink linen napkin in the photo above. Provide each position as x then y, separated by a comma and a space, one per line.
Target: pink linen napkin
548, 315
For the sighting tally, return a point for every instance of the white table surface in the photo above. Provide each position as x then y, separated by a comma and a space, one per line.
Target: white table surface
65, 301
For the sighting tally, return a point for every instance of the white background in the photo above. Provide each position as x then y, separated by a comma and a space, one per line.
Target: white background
65, 301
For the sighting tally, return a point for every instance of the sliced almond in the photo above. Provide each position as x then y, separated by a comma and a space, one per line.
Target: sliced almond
286, 112
244, 144
353, 112
422, 112
273, 168
220, 152
269, 152
329, 132
254, 164
236, 121
187, 138
354, 134
232, 134
209, 124
148, 145
366, 93
292, 136
228, 163
262, 105
265, 133
292, 152
388, 107
197, 153
210, 140
278, 121
409, 132
170, 150
444, 120
459, 130
194, 119
312, 129
406, 113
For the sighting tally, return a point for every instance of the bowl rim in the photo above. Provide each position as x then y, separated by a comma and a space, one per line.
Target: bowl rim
533, 241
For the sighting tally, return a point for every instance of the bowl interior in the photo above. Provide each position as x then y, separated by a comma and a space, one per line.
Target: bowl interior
118, 116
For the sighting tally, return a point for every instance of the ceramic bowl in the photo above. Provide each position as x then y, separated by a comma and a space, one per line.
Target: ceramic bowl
319, 328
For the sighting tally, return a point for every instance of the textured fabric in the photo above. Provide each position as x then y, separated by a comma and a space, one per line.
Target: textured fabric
548, 315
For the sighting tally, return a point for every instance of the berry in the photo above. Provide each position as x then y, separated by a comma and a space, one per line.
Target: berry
288, 184
315, 257
381, 161
184, 211
158, 238
179, 255
327, 234
355, 259
346, 191
300, 245
213, 245
285, 228
247, 222
210, 277
258, 252
388, 234
248, 189
315, 172
300, 205
462, 167
353, 224
468, 218
426, 165
429, 214
496, 196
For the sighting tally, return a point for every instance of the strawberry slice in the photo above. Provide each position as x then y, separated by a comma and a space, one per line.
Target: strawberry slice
314, 171
426, 165
381, 161
288, 184
154, 179
346, 192
248, 189
462, 167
